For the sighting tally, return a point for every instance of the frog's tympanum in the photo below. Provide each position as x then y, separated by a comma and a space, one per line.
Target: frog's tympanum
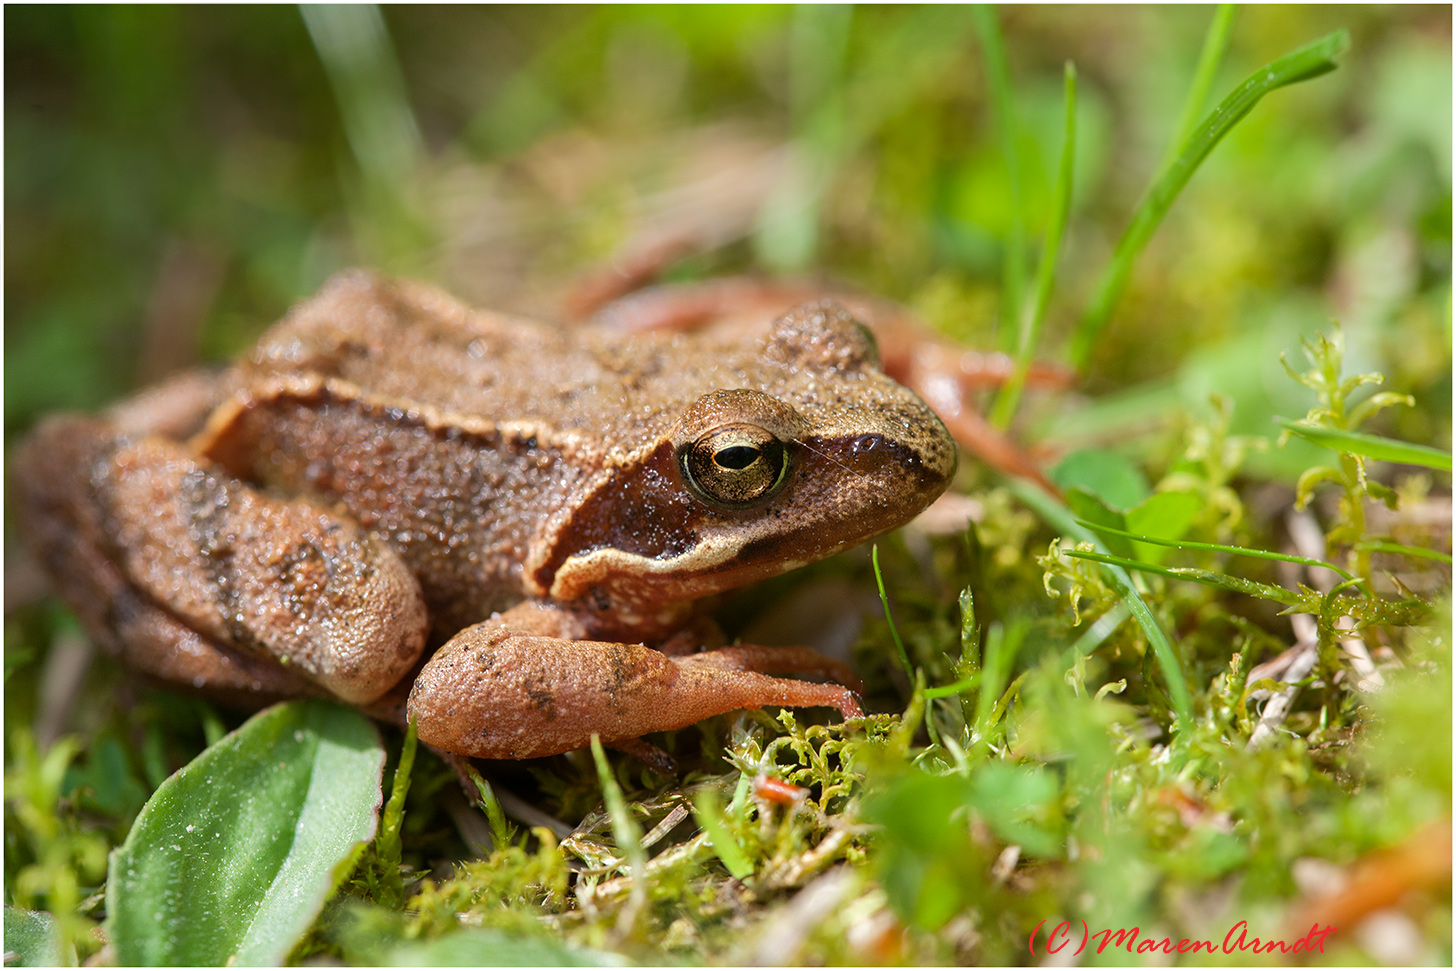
394, 493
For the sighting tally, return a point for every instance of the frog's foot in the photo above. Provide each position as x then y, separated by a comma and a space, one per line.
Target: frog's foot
501, 694
200, 580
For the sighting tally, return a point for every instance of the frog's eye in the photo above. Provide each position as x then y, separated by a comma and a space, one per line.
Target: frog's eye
734, 465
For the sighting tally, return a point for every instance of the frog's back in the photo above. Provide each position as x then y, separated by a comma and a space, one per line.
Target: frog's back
411, 345
464, 438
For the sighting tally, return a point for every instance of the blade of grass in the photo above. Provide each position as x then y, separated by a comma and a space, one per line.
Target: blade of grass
955, 688
1215, 44
1206, 577
788, 231
387, 843
1002, 644
1187, 544
1046, 271
970, 634
1370, 446
1380, 546
711, 819
1307, 62
885, 602
1061, 518
628, 836
353, 44
998, 77
1099, 630
501, 831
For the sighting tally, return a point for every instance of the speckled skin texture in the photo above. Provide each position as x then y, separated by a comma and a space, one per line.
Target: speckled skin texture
388, 468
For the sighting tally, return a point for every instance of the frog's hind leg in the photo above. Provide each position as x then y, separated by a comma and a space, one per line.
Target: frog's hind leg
505, 694
198, 579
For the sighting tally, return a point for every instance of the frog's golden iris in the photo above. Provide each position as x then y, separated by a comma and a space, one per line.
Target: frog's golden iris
736, 465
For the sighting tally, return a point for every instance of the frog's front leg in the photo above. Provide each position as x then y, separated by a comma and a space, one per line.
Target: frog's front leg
498, 693
198, 579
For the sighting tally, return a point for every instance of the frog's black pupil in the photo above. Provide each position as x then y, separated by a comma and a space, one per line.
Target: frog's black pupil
736, 457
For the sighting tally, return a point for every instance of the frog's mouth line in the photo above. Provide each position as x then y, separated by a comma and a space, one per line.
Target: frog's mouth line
896, 482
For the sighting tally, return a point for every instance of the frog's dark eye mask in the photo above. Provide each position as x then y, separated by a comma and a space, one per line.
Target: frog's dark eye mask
735, 465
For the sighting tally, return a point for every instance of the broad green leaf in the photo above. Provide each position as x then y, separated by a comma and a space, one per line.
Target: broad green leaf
484, 947
1165, 515
1113, 478
1018, 802
34, 939
1092, 510
927, 863
1371, 446
232, 858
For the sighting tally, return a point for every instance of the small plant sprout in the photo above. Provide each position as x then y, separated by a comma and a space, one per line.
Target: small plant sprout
1336, 412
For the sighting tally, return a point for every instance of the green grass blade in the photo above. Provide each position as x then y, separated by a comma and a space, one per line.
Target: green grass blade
1046, 271
501, 832
999, 78
1206, 577
1187, 544
955, 688
1370, 446
627, 834
710, 817
1098, 631
353, 44
1215, 43
1308, 62
1380, 546
885, 602
387, 844
1061, 518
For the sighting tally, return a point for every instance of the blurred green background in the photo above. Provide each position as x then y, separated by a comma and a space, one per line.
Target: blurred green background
177, 176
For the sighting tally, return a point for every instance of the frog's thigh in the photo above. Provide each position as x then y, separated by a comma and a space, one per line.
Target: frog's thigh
128, 625
503, 694
254, 575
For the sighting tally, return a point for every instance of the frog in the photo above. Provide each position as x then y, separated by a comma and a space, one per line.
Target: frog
501, 530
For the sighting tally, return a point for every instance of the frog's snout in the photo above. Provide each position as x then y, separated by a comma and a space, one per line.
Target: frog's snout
875, 455
903, 446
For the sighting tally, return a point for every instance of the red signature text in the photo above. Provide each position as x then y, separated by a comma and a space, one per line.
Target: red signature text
1130, 939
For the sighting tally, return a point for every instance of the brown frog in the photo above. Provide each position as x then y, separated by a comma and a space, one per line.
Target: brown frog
390, 478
